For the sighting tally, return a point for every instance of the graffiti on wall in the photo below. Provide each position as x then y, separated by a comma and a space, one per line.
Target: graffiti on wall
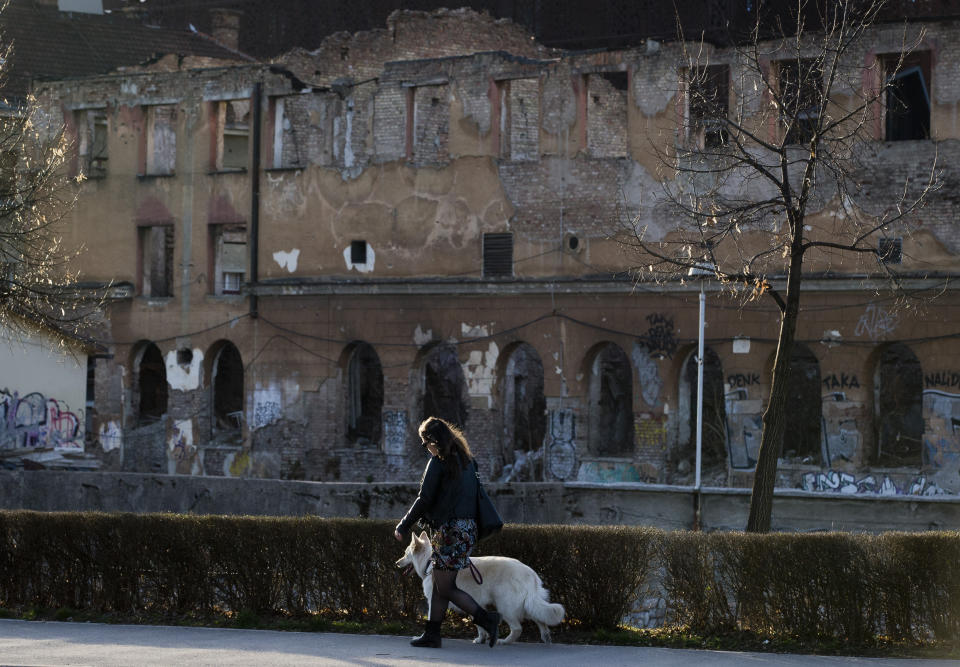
34, 421
876, 322
941, 431
267, 408
660, 339
846, 483
561, 434
394, 431
650, 433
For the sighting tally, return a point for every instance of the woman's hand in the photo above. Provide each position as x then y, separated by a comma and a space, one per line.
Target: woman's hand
396, 534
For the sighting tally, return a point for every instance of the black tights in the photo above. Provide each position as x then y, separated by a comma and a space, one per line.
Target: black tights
445, 591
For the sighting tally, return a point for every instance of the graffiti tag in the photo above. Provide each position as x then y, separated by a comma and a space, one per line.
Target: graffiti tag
845, 483
562, 427
660, 340
942, 379
843, 381
876, 322
743, 379
394, 431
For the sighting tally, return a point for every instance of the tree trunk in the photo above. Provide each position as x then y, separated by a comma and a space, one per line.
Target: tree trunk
774, 421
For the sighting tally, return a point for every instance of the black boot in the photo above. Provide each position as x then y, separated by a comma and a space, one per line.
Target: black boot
430, 637
489, 621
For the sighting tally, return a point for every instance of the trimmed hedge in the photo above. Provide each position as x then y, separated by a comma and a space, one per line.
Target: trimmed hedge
849, 587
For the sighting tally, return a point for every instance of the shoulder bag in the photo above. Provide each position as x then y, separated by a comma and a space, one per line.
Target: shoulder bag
488, 519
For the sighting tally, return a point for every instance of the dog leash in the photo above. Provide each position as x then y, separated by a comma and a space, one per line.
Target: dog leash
477, 577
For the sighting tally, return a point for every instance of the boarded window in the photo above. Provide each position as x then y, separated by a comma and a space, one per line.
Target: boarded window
611, 403
233, 134
524, 407
230, 258
444, 388
898, 385
714, 435
908, 97
227, 387
801, 93
801, 438
156, 255
497, 255
161, 130
708, 105
92, 142
151, 385
364, 395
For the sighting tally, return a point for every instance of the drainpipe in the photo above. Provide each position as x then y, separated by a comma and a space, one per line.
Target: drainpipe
255, 199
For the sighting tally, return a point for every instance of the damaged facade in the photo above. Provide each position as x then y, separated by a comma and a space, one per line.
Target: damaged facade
323, 251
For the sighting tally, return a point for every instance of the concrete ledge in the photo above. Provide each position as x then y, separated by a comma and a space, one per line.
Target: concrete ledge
666, 507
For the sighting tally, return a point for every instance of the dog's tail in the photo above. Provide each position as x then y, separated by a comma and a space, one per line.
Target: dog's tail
539, 608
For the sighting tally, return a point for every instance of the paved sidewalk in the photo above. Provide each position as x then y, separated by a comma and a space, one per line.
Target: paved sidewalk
51, 643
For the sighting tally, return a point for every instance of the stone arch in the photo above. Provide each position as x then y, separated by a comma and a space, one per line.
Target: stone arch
714, 444
898, 406
150, 381
610, 401
444, 388
364, 394
225, 375
524, 409
802, 437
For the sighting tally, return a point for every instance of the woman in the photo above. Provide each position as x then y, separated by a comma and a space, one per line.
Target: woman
448, 503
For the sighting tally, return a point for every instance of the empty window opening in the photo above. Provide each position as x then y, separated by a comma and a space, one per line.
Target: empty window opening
618, 80
524, 407
156, 255
713, 450
611, 403
907, 105
152, 386
444, 387
709, 105
890, 251
161, 141
497, 255
233, 134
92, 142
230, 258
227, 388
364, 395
184, 356
898, 387
801, 93
358, 252
801, 438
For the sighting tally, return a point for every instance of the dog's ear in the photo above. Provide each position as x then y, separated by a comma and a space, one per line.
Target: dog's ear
424, 537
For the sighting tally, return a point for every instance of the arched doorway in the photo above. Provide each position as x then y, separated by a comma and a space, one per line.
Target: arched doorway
611, 402
714, 439
898, 391
804, 418
444, 387
364, 407
524, 410
151, 381
226, 383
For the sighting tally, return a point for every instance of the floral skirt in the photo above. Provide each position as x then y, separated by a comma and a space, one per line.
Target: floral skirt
452, 543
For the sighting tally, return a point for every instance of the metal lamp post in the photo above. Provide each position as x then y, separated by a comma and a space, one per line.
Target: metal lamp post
701, 271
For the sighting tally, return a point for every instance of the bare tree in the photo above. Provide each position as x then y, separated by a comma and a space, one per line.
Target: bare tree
37, 286
776, 131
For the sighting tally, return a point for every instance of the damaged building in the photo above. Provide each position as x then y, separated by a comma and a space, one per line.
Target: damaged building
318, 252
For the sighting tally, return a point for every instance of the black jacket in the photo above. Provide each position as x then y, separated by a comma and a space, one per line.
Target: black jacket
442, 499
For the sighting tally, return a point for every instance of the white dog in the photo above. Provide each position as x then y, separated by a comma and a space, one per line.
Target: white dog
512, 587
